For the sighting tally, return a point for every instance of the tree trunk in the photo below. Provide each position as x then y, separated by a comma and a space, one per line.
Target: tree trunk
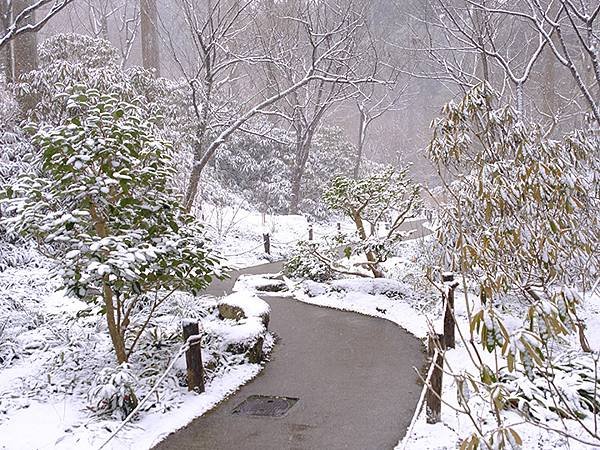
116, 335
150, 43
303, 144
192, 188
24, 46
115, 330
362, 129
371, 258
5, 53
295, 195
520, 100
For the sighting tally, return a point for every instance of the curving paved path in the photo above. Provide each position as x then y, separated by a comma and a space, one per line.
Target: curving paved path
353, 376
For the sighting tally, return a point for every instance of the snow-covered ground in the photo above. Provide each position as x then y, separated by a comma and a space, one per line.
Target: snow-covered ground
238, 233
53, 348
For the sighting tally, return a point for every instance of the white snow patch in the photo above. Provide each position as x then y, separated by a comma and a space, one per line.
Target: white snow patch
248, 302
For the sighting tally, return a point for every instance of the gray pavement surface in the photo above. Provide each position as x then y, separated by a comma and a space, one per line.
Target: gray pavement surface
353, 375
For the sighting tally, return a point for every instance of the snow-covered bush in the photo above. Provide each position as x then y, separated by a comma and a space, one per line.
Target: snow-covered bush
388, 197
331, 155
522, 224
16, 159
574, 379
113, 392
304, 264
78, 49
255, 167
260, 167
70, 60
105, 210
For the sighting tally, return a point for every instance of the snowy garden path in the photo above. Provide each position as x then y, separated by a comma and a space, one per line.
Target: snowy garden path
353, 375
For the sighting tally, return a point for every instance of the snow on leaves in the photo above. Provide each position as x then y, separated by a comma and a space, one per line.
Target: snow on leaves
105, 209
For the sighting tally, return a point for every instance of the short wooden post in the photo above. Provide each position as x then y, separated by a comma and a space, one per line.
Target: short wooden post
433, 396
448, 299
193, 356
267, 243
310, 232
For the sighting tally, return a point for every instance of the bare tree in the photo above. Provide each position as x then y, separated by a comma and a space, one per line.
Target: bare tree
225, 54
304, 28
570, 29
471, 43
372, 103
21, 20
115, 20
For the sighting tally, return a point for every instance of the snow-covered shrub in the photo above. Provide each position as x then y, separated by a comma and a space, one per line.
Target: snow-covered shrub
573, 379
303, 263
258, 166
387, 196
105, 210
9, 107
12, 255
331, 155
113, 392
16, 159
522, 224
74, 60
88, 51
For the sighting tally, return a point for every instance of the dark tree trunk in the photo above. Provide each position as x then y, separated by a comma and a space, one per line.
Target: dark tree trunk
24, 46
5, 53
295, 196
150, 43
303, 144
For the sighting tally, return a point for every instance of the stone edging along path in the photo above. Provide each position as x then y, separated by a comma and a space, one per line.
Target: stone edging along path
352, 374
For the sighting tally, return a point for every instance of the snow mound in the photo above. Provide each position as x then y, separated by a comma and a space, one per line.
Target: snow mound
244, 332
372, 286
263, 283
248, 302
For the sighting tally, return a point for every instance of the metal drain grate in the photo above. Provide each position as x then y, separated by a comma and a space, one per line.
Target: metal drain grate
265, 406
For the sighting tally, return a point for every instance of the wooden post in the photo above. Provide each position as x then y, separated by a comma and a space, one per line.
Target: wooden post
448, 299
339, 227
267, 242
310, 232
433, 396
193, 357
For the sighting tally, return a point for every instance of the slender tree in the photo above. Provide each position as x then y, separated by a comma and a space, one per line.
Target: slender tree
225, 51
150, 41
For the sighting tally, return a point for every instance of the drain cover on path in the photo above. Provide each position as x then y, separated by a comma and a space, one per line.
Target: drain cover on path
266, 406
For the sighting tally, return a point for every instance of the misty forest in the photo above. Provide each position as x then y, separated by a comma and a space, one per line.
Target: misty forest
299, 224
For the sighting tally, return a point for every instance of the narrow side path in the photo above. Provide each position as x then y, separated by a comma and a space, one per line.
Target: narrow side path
353, 376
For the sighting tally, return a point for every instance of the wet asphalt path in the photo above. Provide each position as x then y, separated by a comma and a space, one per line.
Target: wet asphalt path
353, 375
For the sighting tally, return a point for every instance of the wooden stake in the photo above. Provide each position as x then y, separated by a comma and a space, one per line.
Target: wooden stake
434, 390
193, 357
448, 299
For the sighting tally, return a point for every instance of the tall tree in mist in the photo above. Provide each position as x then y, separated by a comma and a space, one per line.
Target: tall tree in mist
150, 42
